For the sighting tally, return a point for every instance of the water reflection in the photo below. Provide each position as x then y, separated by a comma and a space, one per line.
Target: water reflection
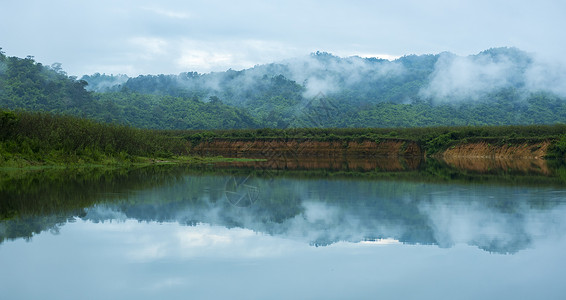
479, 165
497, 165
312, 210
360, 164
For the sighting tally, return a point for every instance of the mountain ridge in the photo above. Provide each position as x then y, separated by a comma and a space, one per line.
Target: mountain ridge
498, 86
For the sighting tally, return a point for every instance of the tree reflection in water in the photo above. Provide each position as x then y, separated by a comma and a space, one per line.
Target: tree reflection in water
326, 202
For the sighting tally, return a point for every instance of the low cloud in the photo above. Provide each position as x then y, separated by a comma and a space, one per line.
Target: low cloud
315, 86
326, 73
317, 73
457, 78
546, 75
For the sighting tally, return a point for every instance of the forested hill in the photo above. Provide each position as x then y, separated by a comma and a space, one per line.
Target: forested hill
31, 86
495, 87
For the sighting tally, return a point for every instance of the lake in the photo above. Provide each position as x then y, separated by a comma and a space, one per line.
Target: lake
314, 229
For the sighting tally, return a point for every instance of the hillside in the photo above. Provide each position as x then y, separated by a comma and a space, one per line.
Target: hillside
31, 86
500, 86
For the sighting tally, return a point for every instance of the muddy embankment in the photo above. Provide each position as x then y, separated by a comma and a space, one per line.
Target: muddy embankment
387, 155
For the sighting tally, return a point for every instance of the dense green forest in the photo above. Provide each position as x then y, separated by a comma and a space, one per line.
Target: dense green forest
501, 86
30, 86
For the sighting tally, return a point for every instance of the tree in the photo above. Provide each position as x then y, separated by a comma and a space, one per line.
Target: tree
58, 69
214, 100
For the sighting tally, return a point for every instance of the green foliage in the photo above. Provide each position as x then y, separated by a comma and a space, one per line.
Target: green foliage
558, 149
438, 143
43, 137
561, 145
27, 85
167, 112
8, 120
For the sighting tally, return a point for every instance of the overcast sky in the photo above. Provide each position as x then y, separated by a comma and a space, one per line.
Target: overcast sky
171, 36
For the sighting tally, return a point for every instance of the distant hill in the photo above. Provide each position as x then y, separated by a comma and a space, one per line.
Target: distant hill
494, 87
31, 86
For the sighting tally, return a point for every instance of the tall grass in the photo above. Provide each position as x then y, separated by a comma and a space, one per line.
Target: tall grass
45, 136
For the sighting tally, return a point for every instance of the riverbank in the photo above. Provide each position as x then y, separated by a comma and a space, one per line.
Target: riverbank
29, 140
277, 148
532, 141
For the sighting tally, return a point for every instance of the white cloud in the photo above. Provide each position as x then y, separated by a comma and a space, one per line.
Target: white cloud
546, 74
369, 55
150, 46
168, 13
80, 34
206, 56
470, 77
205, 60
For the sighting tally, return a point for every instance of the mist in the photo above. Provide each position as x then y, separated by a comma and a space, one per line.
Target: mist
317, 73
102, 82
473, 78
546, 74
2, 72
325, 73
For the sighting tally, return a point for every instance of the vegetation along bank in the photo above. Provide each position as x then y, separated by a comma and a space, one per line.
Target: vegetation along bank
43, 138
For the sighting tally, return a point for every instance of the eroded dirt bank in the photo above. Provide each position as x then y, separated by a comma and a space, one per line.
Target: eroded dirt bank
390, 155
289, 148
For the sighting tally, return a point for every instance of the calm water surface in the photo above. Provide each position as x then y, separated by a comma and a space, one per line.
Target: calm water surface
177, 233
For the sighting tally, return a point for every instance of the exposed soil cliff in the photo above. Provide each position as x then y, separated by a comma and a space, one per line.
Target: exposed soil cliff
387, 155
290, 149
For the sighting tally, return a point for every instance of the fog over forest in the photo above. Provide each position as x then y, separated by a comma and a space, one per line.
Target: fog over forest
443, 77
